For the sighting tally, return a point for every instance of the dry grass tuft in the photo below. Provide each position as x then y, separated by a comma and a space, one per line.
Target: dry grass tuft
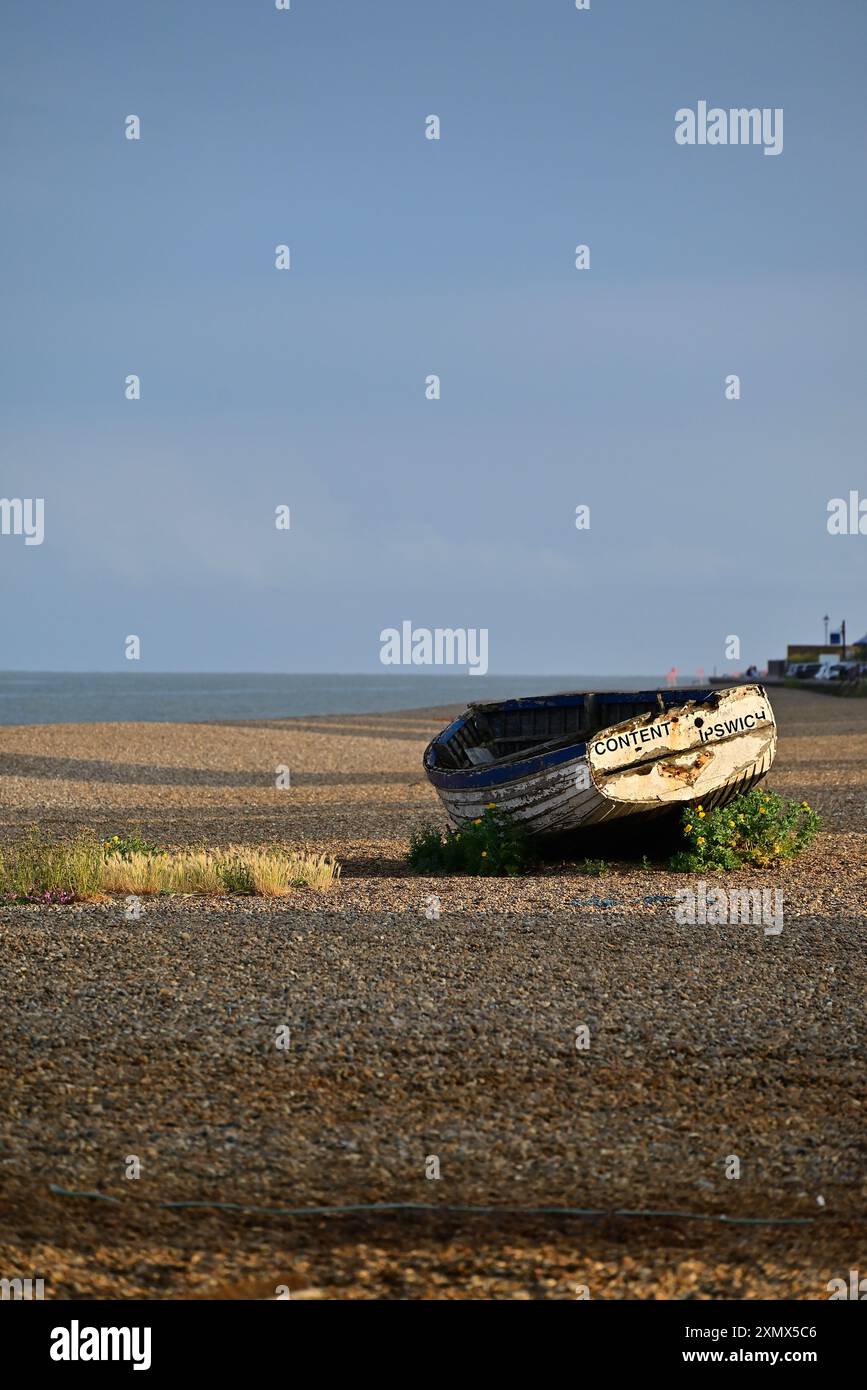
37, 870
271, 872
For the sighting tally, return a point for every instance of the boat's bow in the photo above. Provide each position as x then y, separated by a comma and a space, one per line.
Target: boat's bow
702, 749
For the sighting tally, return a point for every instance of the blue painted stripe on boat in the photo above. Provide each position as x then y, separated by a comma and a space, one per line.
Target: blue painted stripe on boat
451, 730
680, 696
454, 778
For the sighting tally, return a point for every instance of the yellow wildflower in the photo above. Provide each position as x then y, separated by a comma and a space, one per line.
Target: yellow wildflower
762, 811
484, 854
700, 840
688, 829
492, 806
477, 822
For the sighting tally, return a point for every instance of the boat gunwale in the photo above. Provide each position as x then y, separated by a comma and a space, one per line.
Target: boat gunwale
574, 697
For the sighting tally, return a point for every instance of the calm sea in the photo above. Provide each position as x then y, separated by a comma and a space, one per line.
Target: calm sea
58, 697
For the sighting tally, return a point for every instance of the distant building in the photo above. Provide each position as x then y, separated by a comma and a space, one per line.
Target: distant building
814, 651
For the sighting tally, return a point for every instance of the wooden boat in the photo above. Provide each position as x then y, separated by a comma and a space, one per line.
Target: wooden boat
557, 762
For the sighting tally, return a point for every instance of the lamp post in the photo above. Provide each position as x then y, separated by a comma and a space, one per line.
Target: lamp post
825, 621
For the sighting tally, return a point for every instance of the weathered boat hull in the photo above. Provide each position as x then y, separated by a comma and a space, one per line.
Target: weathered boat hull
706, 749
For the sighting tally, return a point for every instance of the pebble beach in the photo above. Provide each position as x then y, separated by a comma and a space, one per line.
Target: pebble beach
413, 1038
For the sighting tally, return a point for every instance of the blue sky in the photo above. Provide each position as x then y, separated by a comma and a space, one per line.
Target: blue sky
411, 257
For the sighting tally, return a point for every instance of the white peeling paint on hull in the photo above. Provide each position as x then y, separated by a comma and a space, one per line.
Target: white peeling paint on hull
688, 754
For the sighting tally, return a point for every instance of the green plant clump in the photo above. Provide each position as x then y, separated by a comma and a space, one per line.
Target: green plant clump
758, 829
236, 875
594, 867
36, 869
493, 844
125, 846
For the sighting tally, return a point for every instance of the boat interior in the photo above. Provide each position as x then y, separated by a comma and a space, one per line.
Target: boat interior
497, 733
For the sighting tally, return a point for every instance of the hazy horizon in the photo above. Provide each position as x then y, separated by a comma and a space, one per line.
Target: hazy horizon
431, 673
